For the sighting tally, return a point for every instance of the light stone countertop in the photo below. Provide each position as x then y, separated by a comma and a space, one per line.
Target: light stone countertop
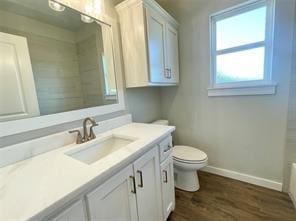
34, 188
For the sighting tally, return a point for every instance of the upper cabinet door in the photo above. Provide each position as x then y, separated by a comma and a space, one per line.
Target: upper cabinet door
172, 54
156, 45
17, 87
115, 199
150, 44
147, 176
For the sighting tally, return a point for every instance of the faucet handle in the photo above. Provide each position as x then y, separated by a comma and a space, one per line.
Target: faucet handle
91, 131
79, 138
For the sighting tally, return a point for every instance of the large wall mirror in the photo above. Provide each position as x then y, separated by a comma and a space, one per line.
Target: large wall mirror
53, 60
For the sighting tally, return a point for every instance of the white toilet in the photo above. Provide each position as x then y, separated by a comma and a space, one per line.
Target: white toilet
187, 161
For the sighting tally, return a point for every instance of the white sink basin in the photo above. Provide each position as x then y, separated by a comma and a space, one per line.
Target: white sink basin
98, 150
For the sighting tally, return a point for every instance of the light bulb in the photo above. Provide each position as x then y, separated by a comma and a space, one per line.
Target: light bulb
86, 19
98, 7
56, 6
88, 8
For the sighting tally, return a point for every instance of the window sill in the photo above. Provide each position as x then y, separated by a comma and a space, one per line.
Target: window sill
242, 90
110, 97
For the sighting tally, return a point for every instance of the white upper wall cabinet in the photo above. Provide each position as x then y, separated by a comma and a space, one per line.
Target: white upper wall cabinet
150, 44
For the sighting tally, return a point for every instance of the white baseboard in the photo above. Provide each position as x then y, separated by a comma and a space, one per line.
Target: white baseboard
293, 199
245, 178
292, 187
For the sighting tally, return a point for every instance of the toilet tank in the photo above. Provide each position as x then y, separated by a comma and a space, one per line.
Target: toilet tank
161, 122
164, 123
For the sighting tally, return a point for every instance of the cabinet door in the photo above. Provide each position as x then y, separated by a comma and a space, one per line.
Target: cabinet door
147, 176
167, 187
156, 47
18, 97
75, 212
172, 54
115, 199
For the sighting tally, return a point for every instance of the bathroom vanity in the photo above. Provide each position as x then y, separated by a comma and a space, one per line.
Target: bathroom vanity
125, 173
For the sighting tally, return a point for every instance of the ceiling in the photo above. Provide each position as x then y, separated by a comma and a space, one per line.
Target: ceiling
39, 10
183, 7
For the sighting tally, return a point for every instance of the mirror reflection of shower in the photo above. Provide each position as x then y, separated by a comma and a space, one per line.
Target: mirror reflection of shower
66, 57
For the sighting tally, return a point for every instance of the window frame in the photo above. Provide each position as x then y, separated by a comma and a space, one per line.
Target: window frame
252, 87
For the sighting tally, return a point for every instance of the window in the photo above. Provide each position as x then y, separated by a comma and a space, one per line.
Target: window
241, 50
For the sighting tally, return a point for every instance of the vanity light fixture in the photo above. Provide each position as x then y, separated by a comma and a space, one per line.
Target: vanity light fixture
98, 6
56, 6
86, 19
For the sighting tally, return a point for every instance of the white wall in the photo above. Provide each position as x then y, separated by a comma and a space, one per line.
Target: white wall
144, 104
290, 156
242, 133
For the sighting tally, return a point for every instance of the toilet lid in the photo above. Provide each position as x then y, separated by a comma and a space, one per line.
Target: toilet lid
186, 153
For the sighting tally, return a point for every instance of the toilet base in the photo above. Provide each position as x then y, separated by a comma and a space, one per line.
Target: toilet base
186, 180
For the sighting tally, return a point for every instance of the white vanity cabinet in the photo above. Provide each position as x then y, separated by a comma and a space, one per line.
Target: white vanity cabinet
167, 177
148, 187
115, 199
142, 191
75, 212
167, 187
132, 194
150, 44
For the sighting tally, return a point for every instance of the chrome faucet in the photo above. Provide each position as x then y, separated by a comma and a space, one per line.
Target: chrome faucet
86, 136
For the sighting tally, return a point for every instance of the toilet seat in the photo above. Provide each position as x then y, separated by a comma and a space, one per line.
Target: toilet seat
190, 161
190, 155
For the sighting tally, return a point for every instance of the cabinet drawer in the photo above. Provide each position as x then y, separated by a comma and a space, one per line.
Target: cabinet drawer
165, 148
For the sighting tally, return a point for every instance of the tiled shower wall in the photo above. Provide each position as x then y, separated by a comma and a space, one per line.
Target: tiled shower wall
89, 49
54, 62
